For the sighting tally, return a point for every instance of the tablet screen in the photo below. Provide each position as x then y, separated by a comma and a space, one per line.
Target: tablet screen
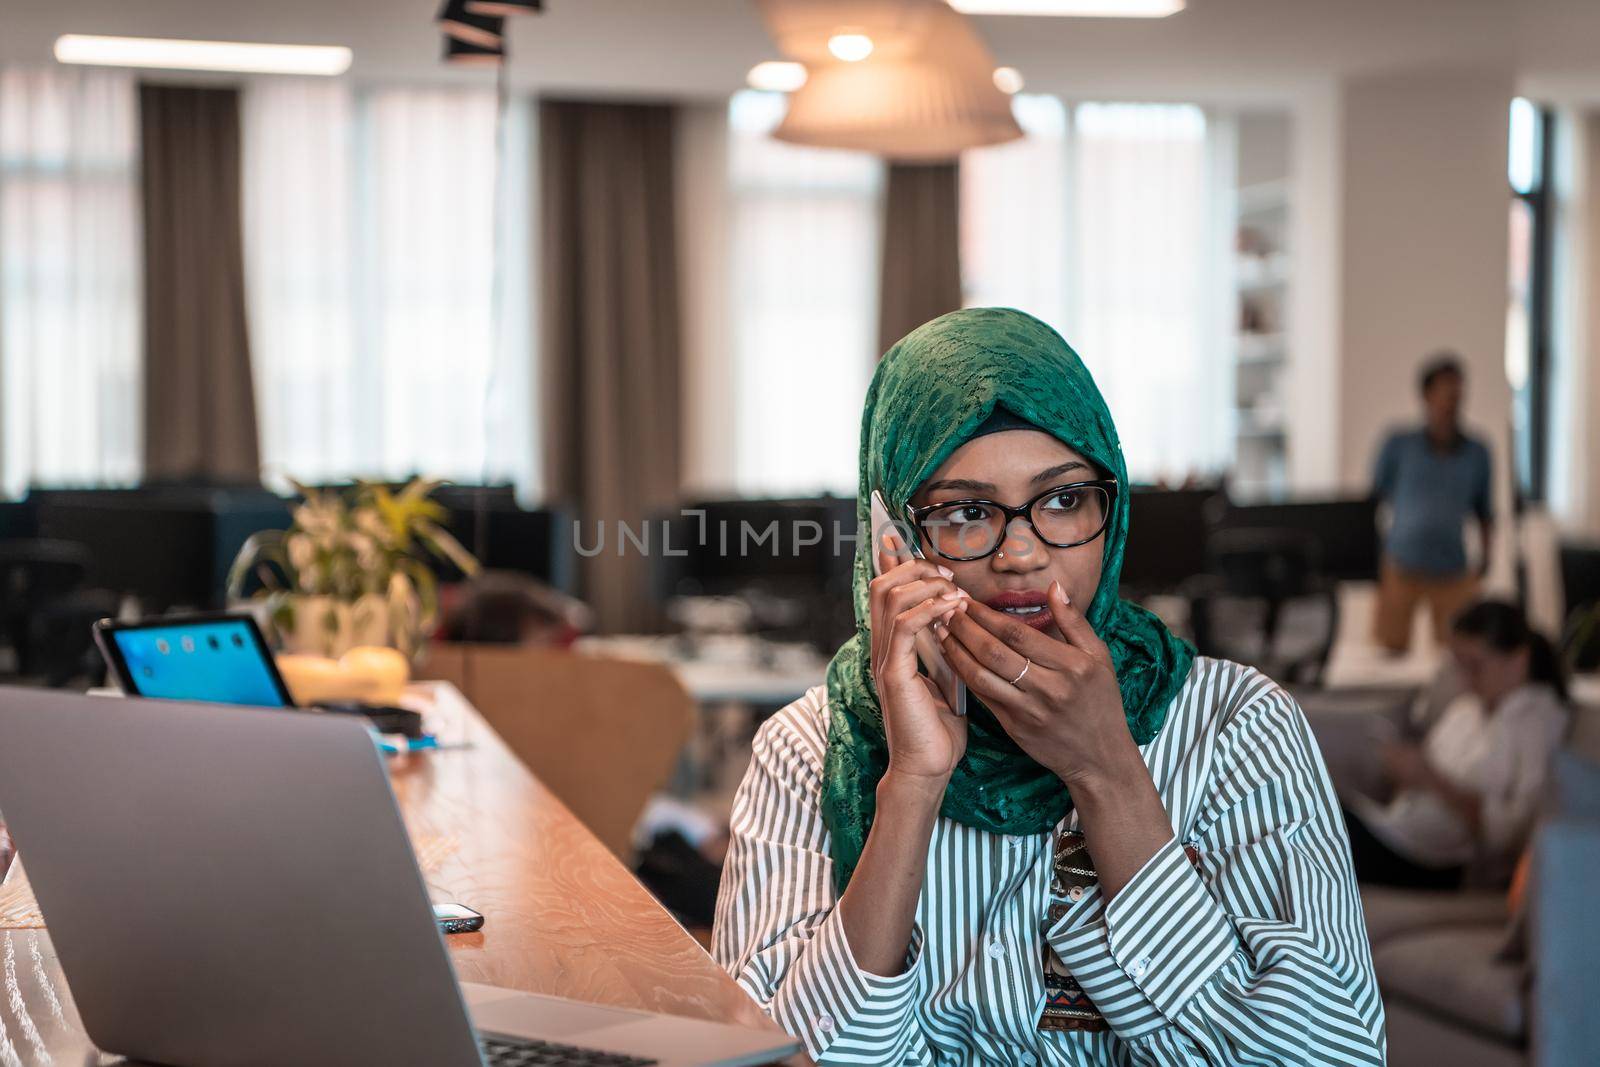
217, 661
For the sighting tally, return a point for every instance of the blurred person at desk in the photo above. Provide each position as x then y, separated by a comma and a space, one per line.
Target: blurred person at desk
1432, 477
506, 608
1469, 792
1121, 853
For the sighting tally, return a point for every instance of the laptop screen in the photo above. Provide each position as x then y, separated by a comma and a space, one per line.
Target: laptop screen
213, 660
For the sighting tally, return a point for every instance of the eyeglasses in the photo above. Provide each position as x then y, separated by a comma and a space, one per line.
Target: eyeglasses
1063, 517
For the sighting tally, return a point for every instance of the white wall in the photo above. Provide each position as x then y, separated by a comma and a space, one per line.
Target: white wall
703, 265
1423, 235
1312, 388
1575, 355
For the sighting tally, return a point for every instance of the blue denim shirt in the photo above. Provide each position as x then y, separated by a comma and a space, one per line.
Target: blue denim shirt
1431, 493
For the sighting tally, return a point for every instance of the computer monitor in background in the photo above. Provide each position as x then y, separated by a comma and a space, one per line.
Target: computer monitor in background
536, 542
1580, 574
158, 551
169, 546
1346, 531
502, 534
795, 551
1166, 538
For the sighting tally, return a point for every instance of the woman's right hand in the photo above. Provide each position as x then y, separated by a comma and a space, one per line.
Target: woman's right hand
926, 737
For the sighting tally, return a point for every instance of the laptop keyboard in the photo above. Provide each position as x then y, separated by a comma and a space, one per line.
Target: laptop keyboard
501, 1051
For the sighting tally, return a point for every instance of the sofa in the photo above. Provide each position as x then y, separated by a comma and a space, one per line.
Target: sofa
1465, 982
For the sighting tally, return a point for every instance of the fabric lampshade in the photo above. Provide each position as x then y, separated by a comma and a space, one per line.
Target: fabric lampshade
899, 28
907, 111
459, 22
925, 93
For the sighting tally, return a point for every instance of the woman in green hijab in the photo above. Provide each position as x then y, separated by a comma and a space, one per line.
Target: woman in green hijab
1096, 848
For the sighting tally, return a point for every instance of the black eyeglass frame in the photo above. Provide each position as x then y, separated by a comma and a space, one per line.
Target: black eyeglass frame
1024, 512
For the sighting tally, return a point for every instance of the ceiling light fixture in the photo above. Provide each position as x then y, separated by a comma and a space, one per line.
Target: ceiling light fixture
1008, 80
1109, 9
850, 46
234, 56
926, 94
777, 75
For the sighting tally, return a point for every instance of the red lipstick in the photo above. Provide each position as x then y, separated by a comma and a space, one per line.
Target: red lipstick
1025, 605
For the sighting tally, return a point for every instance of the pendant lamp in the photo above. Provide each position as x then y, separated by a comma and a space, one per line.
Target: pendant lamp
459, 22
924, 93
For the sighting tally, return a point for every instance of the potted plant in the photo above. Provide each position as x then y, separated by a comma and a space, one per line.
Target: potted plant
353, 568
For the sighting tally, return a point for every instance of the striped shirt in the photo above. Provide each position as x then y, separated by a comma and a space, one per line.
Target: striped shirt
1258, 957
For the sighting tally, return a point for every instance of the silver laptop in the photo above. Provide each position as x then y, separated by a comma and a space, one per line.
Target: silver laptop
234, 887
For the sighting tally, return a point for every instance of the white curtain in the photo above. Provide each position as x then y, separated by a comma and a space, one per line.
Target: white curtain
70, 268
370, 258
803, 291
1101, 223
1016, 247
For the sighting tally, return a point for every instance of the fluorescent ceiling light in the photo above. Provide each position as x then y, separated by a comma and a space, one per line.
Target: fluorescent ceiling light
850, 47
202, 55
1115, 9
776, 75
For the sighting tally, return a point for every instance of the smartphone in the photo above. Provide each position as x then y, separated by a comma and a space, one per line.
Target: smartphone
457, 919
929, 654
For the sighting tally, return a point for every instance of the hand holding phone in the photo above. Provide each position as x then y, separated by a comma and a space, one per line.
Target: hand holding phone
898, 542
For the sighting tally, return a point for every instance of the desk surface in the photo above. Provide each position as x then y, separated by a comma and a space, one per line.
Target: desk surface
563, 915
734, 676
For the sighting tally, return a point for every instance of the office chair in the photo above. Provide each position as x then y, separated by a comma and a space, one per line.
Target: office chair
1264, 601
603, 734
45, 613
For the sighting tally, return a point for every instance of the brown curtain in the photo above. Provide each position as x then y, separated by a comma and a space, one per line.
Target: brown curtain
199, 400
610, 338
921, 248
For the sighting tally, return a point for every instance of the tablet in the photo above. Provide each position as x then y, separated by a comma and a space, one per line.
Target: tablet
221, 659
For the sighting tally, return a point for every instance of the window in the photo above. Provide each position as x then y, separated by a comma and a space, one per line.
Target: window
804, 297
1101, 223
70, 298
1528, 294
371, 237
1016, 217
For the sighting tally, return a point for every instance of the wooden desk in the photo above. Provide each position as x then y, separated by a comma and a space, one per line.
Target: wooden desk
563, 915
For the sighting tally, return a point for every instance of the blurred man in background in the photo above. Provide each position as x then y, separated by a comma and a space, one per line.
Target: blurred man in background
1432, 477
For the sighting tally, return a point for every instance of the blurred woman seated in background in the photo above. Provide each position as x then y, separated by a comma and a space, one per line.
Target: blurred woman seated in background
1469, 792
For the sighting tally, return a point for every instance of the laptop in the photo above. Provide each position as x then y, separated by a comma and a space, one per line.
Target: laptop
234, 887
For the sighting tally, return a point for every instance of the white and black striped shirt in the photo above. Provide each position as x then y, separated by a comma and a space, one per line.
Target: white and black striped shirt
1259, 957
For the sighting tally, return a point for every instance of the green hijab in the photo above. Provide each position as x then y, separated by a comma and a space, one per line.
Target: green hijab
930, 392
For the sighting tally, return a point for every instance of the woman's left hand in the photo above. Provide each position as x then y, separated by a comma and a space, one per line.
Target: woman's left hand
1066, 711
1405, 765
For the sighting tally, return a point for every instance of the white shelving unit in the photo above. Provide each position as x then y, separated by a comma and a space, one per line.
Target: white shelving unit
1263, 274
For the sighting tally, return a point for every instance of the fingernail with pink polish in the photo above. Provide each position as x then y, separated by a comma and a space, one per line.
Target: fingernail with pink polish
946, 572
